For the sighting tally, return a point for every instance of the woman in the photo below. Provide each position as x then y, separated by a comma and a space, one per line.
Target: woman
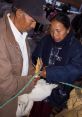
61, 54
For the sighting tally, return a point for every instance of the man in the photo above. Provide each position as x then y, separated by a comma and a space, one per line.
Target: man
15, 67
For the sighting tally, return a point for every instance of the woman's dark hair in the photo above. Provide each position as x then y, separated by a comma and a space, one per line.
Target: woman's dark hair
62, 18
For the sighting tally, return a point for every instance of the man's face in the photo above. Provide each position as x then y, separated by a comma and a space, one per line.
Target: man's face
23, 21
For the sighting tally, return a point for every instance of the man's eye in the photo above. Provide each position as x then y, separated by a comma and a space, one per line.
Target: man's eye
34, 21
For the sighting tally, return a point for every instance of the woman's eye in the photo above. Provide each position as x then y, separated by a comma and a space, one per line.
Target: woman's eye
58, 31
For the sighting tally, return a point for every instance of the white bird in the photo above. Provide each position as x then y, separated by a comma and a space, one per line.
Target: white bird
41, 91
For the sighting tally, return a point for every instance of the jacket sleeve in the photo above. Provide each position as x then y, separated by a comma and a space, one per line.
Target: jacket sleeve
69, 72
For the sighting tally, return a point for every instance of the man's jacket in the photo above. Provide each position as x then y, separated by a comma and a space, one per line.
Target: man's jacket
11, 62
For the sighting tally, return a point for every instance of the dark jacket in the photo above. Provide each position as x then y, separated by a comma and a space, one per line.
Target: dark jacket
66, 61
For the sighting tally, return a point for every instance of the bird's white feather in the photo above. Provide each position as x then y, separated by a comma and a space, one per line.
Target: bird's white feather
41, 91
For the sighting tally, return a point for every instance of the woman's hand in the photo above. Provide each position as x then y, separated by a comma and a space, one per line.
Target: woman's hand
43, 72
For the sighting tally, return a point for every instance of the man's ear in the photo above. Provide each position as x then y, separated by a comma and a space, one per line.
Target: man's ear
19, 13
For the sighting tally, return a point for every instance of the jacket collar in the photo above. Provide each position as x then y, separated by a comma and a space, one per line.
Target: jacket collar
10, 37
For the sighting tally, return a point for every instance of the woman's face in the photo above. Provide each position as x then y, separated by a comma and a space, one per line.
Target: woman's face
58, 31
